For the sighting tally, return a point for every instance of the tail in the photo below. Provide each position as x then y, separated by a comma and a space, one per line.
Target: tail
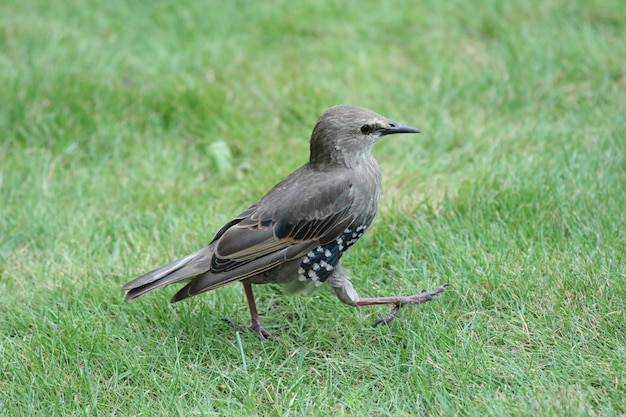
182, 269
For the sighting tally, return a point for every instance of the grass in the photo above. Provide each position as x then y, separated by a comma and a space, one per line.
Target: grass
130, 131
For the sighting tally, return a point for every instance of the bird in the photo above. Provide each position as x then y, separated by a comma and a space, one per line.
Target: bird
296, 234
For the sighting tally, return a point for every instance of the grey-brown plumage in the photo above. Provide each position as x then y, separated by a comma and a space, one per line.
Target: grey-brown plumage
296, 234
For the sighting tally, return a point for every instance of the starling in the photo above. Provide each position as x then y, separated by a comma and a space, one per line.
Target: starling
296, 234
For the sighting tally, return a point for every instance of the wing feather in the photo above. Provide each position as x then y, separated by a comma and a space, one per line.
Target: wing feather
276, 230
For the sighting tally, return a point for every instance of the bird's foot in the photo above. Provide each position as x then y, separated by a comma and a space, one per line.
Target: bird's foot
255, 328
421, 297
387, 319
260, 331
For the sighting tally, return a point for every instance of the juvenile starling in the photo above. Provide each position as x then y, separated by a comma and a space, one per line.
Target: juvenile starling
296, 234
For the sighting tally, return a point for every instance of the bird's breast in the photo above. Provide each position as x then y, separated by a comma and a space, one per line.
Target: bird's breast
366, 188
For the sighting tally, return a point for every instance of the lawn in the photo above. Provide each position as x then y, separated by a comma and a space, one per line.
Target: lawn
131, 131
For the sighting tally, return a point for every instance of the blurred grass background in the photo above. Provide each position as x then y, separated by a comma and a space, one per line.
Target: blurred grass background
130, 131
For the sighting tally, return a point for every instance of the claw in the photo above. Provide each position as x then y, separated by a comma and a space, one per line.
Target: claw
260, 331
387, 319
257, 329
421, 297
232, 324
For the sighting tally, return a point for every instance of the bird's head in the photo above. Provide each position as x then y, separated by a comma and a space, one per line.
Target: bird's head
344, 134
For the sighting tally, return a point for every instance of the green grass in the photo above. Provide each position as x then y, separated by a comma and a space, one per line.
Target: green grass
130, 131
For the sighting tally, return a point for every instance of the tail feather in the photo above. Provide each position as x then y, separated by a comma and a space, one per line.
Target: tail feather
182, 269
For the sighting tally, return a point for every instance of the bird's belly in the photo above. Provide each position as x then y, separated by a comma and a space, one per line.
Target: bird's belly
318, 265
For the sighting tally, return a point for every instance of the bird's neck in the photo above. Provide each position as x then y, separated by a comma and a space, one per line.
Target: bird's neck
337, 158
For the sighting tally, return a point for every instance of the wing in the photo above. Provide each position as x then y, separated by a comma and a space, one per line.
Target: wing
281, 227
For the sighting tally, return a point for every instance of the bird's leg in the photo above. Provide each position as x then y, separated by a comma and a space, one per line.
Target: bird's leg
399, 301
254, 314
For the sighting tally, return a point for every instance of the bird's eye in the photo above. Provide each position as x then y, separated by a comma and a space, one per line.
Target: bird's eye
366, 129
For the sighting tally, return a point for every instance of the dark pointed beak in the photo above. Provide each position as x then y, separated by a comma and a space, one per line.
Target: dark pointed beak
395, 127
